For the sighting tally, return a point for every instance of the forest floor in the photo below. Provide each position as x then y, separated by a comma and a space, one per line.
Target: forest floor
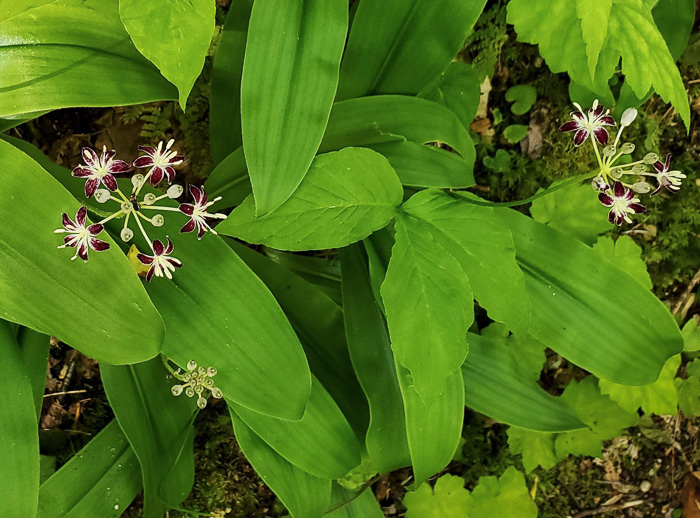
648, 472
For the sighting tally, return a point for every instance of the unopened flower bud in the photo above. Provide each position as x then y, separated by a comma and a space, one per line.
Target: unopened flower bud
650, 158
174, 191
608, 151
126, 234
628, 116
158, 220
599, 184
176, 390
639, 168
126, 206
102, 195
641, 187
137, 180
149, 199
616, 173
627, 148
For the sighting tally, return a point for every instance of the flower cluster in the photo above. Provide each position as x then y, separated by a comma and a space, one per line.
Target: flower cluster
161, 161
196, 380
617, 182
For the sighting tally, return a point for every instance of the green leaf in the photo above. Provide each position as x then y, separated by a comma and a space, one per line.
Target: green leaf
459, 89
12, 8
689, 395
574, 314
573, 210
482, 244
497, 384
626, 255
515, 133
398, 126
522, 97
506, 496
19, 469
116, 323
691, 336
69, 53
305, 495
318, 322
290, 74
429, 307
101, 480
536, 448
34, 350
352, 506
159, 428
433, 428
373, 361
448, 499
399, 46
675, 20
345, 196
321, 443
656, 398
230, 180
227, 69
573, 44
174, 36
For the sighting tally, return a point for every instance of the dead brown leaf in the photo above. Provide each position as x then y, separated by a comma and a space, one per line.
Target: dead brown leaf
690, 496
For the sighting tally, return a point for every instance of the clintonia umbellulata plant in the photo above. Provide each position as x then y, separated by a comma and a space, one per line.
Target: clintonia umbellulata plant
323, 132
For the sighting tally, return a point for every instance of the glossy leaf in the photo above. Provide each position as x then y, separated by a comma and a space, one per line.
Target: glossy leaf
459, 89
218, 313
304, 495
34, 350
318, 322
482, 244
101, 480
574, 313
373, 361
428, 302
174, 36
626, 255
433, 429
41, 288
230, 180
225, 98
290, 75
345, 196
19, 469
496, 384
159, 428
448, 499
395, 125
346, 504
401, 46
69, 53
321, 443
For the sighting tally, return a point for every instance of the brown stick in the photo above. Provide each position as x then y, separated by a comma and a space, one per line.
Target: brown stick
606, 509
691, 286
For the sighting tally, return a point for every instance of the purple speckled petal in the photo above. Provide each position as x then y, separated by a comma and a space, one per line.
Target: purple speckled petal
82, 172
580, 137
110, 182
119, 166
95, 229
91, 186
68, 223
158, 247
156, 176
144, 259
602, 136
637, 208
143, 161
90, 157
169, 249
187, 208
619, 190
606, 199
83, 251
98, 245
188, 227
80, 217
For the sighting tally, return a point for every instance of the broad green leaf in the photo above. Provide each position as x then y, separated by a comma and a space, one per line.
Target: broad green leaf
656, 398
574, 313
506, 496
230, 180
689, 395
397, 125
691, 336
318, 322
580, 442
41, 288
373, 361
73, 53
433, 428
47, 467
225, 98
19, 469
345, 196
537, 448
515, 133
675, 20
496, 384
11, 8
290, 75
101, 480
218, 313
401, 46
34, 350
482, 244
378, 247
569, 43
174, 36
321, 443
627, 256
459, 89
159, 429
448, 499
346, 504
304, 495
573, 210
428, 302
522, 97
